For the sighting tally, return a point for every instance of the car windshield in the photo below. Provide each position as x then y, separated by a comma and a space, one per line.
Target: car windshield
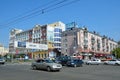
74, 60
1, 59
49, 61
63, 58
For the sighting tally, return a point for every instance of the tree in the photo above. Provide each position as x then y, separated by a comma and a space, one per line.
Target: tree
116, 52
118, 42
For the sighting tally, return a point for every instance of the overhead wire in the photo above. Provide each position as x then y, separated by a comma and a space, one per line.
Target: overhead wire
21, 16
32, 10
74, 1
32, 14
49, 8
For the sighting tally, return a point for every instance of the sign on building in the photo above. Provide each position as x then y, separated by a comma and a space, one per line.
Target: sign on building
29, 45
70, 25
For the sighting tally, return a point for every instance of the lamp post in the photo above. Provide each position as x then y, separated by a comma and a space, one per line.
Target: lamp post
12, 55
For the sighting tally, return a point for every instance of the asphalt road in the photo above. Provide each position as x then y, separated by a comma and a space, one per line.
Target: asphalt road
87, 72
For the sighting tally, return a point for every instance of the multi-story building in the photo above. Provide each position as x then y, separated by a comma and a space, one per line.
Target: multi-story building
12, 36
49, 34
80, 41
58, 27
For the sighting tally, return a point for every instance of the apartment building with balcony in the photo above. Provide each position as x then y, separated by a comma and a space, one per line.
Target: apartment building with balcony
58, 28
48, 34
80, 41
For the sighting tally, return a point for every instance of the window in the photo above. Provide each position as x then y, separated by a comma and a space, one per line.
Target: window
65, 34
57, 30
65, 40
57, 44
66, 50
57, 35
65, 45
39, 55
57, 39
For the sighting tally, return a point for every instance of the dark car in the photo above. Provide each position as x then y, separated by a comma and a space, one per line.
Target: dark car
63, 60
75, 63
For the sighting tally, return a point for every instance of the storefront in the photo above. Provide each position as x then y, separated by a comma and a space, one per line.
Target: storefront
100, 55
40, 54
103, 56
86, 56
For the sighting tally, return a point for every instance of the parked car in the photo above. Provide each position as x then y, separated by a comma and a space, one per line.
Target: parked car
75, 63
112, 62
48, 65
2, 61
94, 61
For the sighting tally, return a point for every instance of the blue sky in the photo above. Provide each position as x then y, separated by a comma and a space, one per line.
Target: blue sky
102, 16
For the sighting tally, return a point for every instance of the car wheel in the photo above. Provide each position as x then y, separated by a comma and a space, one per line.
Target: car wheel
105, 64
48, 69
88, 63
2, 63
34, 67
58, 70
81, 65
116, 64
75, 65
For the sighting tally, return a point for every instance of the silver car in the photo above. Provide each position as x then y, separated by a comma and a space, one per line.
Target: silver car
94, 61
112, 62
48, 65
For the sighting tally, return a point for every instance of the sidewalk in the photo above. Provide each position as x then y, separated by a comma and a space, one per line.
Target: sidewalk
20, 63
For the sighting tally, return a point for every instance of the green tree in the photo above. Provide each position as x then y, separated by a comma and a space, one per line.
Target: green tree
116, 51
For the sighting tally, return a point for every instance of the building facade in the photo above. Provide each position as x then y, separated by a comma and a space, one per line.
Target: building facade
3, 50
12, 36
49, 34
80, 41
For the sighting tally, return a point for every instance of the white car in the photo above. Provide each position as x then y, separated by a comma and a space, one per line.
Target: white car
94, 61
112, 62
2, 61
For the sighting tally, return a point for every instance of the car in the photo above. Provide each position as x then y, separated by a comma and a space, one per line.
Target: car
2, 61
75, 63
112, 62
63, 60
48, 65
94, 61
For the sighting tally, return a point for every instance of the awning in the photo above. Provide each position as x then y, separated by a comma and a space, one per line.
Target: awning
100, 55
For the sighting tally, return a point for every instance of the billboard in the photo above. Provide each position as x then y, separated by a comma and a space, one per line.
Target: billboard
22, 44
70, 25
29, 45
36, 46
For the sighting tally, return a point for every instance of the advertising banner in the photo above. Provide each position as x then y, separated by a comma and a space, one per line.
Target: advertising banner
29, 45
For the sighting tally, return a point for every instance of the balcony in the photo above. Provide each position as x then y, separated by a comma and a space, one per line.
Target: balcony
85, 46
